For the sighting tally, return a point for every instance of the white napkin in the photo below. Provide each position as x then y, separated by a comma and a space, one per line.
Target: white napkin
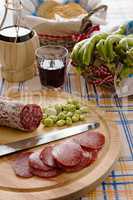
125, 89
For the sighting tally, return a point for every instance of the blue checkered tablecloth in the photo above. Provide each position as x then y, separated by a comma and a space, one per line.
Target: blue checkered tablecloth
119, 184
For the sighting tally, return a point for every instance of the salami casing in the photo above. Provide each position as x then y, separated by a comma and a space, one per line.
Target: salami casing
19, 116
45, 174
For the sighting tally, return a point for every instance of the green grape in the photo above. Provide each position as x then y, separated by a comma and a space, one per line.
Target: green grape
53, 117
75, 118
69, 114
58, 108
82, 117
68, 121
61, 116
50, 111
84, 109
60, 122
48, 122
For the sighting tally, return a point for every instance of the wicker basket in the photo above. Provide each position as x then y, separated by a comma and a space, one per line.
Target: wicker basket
86, 29
98, 74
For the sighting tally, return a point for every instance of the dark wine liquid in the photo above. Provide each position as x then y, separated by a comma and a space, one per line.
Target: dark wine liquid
52, 76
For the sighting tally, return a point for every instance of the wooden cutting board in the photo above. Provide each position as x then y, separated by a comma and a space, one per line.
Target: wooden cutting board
67, 185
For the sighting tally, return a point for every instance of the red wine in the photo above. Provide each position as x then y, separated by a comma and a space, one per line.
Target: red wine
52, 73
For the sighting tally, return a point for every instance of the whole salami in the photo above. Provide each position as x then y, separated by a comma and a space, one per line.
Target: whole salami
19, 116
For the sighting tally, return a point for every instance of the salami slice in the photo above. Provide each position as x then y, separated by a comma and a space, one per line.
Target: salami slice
21, 165
67, 153
94, 155
45, 174
19, 116
36, 163
47, 157
90, 140
85, 161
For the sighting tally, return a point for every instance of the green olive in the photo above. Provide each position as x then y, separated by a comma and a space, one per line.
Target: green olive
65, 112
58, 108
78, 112
72, 108
77, 106
70, 101
82, 117
50, 111
44, 116
60, 122
54, 118
48, 122
61, 116
84, 109
75, 101
68, 121
66, 107
69, 114
75, 118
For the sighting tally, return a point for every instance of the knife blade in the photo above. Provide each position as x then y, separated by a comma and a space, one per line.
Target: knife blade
40, 139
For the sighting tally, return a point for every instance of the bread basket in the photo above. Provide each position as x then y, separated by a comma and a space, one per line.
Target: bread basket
69, 40
65, 32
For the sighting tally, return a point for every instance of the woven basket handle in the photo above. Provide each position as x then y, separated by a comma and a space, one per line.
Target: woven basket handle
86, 22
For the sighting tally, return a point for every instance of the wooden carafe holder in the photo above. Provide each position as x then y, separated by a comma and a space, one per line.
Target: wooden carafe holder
17, 49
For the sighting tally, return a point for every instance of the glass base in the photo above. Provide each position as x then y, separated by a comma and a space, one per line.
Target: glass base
51, 88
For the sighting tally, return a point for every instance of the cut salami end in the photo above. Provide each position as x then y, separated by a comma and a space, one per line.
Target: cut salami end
67, 153
44, 174
20, 116
21, 165
90, 140
36, 163
31, 116
47, 157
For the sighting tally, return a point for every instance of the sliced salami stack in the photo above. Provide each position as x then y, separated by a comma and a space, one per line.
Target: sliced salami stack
19, 116
69, 156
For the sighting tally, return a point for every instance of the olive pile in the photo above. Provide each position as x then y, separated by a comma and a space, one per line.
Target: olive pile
64, 114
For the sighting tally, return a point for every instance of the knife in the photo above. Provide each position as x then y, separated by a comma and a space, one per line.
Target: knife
38, 140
